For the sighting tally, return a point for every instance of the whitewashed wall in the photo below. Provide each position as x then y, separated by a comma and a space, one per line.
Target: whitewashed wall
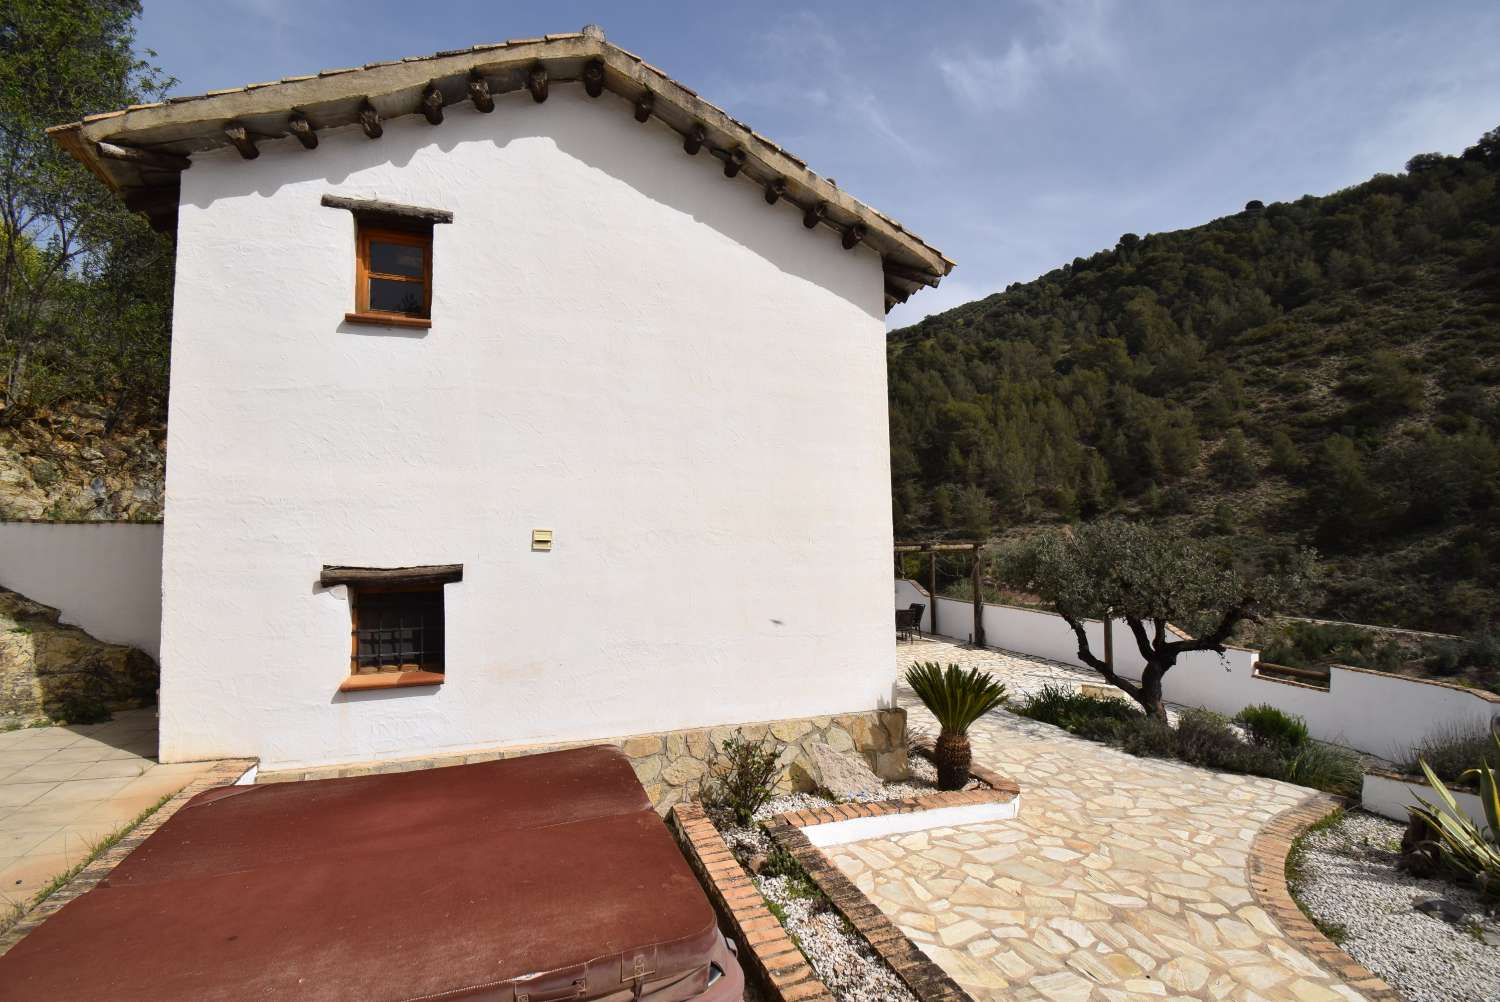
1371, 711
1390, 797
104, 577
627, 348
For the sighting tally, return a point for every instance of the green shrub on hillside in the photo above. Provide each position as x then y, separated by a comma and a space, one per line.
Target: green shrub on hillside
1336, 336
1304, 645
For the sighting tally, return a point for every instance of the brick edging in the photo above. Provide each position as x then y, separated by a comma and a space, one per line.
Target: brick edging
927, 981
996, 789
223, 773
774, 961
1267, 869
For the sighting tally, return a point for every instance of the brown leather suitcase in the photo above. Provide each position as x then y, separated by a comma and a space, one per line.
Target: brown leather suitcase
533, 879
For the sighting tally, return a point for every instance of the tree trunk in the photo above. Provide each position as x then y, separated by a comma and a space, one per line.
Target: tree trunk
952, 756
1150, 692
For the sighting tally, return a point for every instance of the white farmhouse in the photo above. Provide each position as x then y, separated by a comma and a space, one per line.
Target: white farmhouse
519, 396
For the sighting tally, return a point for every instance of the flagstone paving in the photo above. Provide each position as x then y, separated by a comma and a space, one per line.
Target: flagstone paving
1122, 878
62, 789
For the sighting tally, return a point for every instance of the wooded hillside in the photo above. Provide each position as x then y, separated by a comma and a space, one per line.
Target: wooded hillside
1324, 371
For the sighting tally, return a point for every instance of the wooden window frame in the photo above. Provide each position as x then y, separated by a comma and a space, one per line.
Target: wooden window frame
402, 676
366, 233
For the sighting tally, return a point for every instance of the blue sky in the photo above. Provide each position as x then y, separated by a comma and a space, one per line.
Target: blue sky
1013, 136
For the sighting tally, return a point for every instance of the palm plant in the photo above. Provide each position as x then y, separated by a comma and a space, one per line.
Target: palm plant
1466, 848
956, 698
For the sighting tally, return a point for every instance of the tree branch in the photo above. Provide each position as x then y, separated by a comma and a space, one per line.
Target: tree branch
1086, 655
1213, 640
1138, 629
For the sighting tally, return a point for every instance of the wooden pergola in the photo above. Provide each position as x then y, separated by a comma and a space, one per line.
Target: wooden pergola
932, 549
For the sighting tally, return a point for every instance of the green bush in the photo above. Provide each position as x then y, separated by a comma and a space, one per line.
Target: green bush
742, 776
1103, 729
1279, 746
1326, 767
1148, 738
1271, 728
1206, 739
1077, 712
1450, 751
780, 863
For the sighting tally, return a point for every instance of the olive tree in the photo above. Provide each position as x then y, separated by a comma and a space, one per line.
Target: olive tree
1157, 580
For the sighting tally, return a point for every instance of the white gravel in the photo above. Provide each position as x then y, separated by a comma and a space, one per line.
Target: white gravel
1349, 878
847, 965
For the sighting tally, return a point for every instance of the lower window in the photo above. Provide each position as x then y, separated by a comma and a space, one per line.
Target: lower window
397, 630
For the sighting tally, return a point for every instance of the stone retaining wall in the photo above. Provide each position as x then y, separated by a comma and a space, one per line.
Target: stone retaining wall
672, 766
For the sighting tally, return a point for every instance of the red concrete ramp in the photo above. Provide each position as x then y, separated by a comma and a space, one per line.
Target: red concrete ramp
536, 878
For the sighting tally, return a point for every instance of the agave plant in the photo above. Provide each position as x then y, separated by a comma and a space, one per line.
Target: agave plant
1463, 845
956, 698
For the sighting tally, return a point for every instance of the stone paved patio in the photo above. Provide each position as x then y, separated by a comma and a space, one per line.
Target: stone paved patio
1123, 877
64, 788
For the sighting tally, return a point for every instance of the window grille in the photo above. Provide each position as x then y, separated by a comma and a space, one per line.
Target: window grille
398, 631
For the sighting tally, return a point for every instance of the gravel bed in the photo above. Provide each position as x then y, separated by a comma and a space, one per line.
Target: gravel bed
848, 966
1348, 878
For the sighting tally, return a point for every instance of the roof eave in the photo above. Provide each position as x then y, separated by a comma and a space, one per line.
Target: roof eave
156, 136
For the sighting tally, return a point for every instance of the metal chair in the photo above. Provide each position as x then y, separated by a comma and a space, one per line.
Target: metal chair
906, 624
916, 609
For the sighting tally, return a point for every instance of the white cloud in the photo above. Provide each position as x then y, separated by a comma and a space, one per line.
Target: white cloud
843, 95
1073, 36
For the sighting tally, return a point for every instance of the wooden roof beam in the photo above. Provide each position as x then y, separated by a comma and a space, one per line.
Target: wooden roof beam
240, 136
479, 92
369, 120
432, 104
303, 130
144, 158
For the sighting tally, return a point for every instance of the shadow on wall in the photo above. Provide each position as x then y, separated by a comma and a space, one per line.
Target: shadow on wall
647, 157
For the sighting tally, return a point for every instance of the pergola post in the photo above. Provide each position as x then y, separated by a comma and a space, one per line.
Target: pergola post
978, 602
932, 590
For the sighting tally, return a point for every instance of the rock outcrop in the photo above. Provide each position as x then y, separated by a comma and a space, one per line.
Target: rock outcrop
843, 775
73, 464
52, 671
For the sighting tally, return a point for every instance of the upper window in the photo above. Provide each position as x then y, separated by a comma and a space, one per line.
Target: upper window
394, 276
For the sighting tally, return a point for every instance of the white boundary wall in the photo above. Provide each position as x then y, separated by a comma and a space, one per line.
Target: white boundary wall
1389, 797
1367, 710
104, 577
861, 829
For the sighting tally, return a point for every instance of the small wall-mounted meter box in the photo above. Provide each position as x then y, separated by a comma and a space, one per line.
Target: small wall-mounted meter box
541, 540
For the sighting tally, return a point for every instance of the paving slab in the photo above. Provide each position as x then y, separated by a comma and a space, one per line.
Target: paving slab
1122, 877
62, 789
